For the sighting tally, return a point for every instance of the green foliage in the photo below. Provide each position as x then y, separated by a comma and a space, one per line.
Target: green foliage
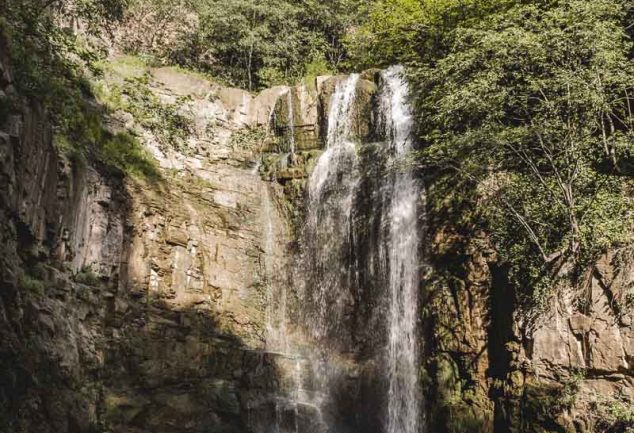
542, 404
315, 68
614, 416
33, 278
164, 120
30, 283
124, 151
527, 118
87, 276
248, 138
50, 63
125, 66
121, 150
391, 34
252, 44
456, 406
402, 31
47, 57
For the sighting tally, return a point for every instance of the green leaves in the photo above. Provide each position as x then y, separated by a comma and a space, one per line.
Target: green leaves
406, 31
256, 44
532, 107
389, 35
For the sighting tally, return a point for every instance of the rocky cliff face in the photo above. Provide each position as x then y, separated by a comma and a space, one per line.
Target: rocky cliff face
137, 305
567, 369
487, 366
131, 305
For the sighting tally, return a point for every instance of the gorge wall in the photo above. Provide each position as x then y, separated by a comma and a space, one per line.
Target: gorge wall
129, 304
180, 303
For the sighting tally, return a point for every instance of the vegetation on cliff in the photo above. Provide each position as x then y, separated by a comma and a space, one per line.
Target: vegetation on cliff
531, 110
252, 44
525, 126
52, 62
525, 114
525, 121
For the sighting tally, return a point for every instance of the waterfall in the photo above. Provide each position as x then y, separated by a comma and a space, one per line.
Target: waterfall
276, 301
325, 251
276, 296
359, 270
402, 195
330, 196
291, 120
339, 115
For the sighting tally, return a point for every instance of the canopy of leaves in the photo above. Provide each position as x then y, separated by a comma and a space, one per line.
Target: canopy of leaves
531, 109
400, 31
252, 44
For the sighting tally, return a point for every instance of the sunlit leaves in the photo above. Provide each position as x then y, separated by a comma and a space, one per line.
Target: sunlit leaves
534, 104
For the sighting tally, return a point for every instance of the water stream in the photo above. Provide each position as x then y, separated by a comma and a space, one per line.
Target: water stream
402, 195
358, 278
331, 188
291, 121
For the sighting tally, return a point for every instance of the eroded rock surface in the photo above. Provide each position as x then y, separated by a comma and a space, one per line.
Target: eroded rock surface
138, 305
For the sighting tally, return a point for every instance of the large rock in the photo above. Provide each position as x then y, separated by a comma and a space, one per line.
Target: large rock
295, 118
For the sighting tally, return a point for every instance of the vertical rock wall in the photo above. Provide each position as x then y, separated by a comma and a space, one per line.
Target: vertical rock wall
491, 369
136, 305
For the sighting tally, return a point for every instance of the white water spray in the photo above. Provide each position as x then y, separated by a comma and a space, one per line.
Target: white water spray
402, 357
331, 190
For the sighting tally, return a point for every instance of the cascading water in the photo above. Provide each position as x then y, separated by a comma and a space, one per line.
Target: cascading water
325, 248
276, 296
355, 345
330, 196
401, 196
291, 121
276, 301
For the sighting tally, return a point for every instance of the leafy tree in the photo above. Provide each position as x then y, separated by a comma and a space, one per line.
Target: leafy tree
401, 31
159, 28
269, 42
333, 20
248, 43
532, 107
391, 34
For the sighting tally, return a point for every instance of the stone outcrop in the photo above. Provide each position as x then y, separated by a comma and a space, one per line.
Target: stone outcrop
587, 333
494, 370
